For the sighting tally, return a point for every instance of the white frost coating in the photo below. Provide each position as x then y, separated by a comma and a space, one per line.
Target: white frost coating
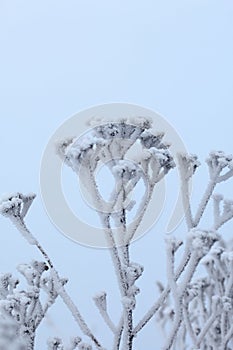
220, 158
155, 161
134, 271
163, 157
129, 302
143, 122
24, 309
188, 164
202, 241
78, 151
16, 204
126, 170
56, 343
217, 161
195, 312
100, 300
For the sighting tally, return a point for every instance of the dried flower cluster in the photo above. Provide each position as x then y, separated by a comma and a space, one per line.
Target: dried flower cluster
195, 312
23, 310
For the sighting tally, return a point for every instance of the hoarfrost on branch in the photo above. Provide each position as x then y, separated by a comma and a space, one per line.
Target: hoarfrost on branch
194, 312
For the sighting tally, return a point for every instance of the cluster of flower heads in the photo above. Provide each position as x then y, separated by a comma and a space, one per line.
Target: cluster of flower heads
207, 303
111, 141
217, 161
212, 293
21, 311
201, 300
162, 156
220, 159
202, 240
76, 343
97, 140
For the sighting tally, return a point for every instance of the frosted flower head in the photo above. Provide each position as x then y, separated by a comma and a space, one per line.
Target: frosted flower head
134, 271
28, 272
142, 122
39, 266
202, 240
16, 204
108, 130
11, 205
62, 146
118, 130
75, 341
100, 300
80, 151
129, 302
227, 303
125, 170
188, 163
163, 157
221, 159
149, 140
7, 284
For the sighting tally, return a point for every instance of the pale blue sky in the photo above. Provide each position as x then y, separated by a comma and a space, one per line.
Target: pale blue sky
59, 57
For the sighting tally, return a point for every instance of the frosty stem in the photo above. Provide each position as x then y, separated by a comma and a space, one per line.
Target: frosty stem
20, 225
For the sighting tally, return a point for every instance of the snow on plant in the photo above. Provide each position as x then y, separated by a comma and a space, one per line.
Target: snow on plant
195, 312
23, 311
201, 311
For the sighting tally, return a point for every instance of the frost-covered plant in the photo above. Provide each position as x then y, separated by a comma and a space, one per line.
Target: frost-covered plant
195, 313
109, 144
22, 311
200, 314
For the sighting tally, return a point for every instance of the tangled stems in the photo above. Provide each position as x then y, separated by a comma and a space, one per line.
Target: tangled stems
13, 207
191, 309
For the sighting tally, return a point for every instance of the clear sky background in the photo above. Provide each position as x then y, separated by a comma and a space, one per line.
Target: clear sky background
59, 57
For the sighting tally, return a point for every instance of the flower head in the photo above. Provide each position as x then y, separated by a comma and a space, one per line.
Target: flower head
202, 240
16, 204
220, 159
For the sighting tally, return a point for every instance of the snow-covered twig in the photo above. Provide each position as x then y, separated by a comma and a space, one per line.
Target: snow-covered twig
13, 207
